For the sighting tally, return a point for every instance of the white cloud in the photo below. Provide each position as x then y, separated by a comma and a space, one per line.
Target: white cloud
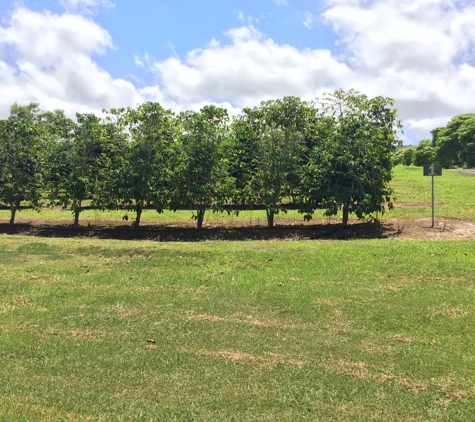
422, 128
420, 34
249, 20
214, 43
309, 19
85, 6
139, 61
50, 62
247, 70
419, 52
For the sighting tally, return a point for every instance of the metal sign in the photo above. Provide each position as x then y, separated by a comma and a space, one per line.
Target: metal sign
433, 170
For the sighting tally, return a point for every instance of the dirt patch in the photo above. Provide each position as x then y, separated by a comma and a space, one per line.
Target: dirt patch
455, 312
209, 318
21, 301
241, 357
415, 205
406, 187
444, 229
400, 337
395, 228
414, 386
241, 318
363, 371
84, 335
390, 288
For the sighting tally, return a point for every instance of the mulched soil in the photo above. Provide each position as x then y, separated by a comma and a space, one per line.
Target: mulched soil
444, 229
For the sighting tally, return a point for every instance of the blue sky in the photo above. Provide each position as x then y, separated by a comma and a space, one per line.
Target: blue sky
162, 28
85, 55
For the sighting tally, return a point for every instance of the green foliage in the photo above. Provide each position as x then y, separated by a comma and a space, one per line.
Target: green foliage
76, 160
425, 153
404, 156
269, 144
113, 175
283, 150
351, 166
142, 169
21, 157
412, 192
200, 175
456, 142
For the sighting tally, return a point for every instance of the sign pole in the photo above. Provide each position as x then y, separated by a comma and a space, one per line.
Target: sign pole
433, 170
432, 200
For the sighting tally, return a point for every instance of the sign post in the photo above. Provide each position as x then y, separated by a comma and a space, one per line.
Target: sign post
433, 170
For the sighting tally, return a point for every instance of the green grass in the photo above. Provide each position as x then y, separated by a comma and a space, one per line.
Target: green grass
222, 331
97, 217
454, 194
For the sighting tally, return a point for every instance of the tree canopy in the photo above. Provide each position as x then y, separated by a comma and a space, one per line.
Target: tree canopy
199, 178
21, 157
350, 167
268, 144
452, 146
333, 153
455, 143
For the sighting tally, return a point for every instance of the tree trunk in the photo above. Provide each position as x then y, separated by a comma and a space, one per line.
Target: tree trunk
346, 208
138, 210
200, 214
270, 217
13, 209
77, 210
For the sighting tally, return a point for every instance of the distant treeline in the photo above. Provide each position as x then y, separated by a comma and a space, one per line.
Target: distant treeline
334, 152
452, 146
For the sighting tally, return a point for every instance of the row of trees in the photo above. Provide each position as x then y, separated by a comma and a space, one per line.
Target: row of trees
335, 153
424, 153
452, 146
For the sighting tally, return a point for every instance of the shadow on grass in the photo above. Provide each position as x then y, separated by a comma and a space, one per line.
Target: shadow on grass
365, 230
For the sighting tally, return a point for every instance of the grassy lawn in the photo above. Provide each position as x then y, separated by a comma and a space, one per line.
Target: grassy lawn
236, 331
95, 217
454, 194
